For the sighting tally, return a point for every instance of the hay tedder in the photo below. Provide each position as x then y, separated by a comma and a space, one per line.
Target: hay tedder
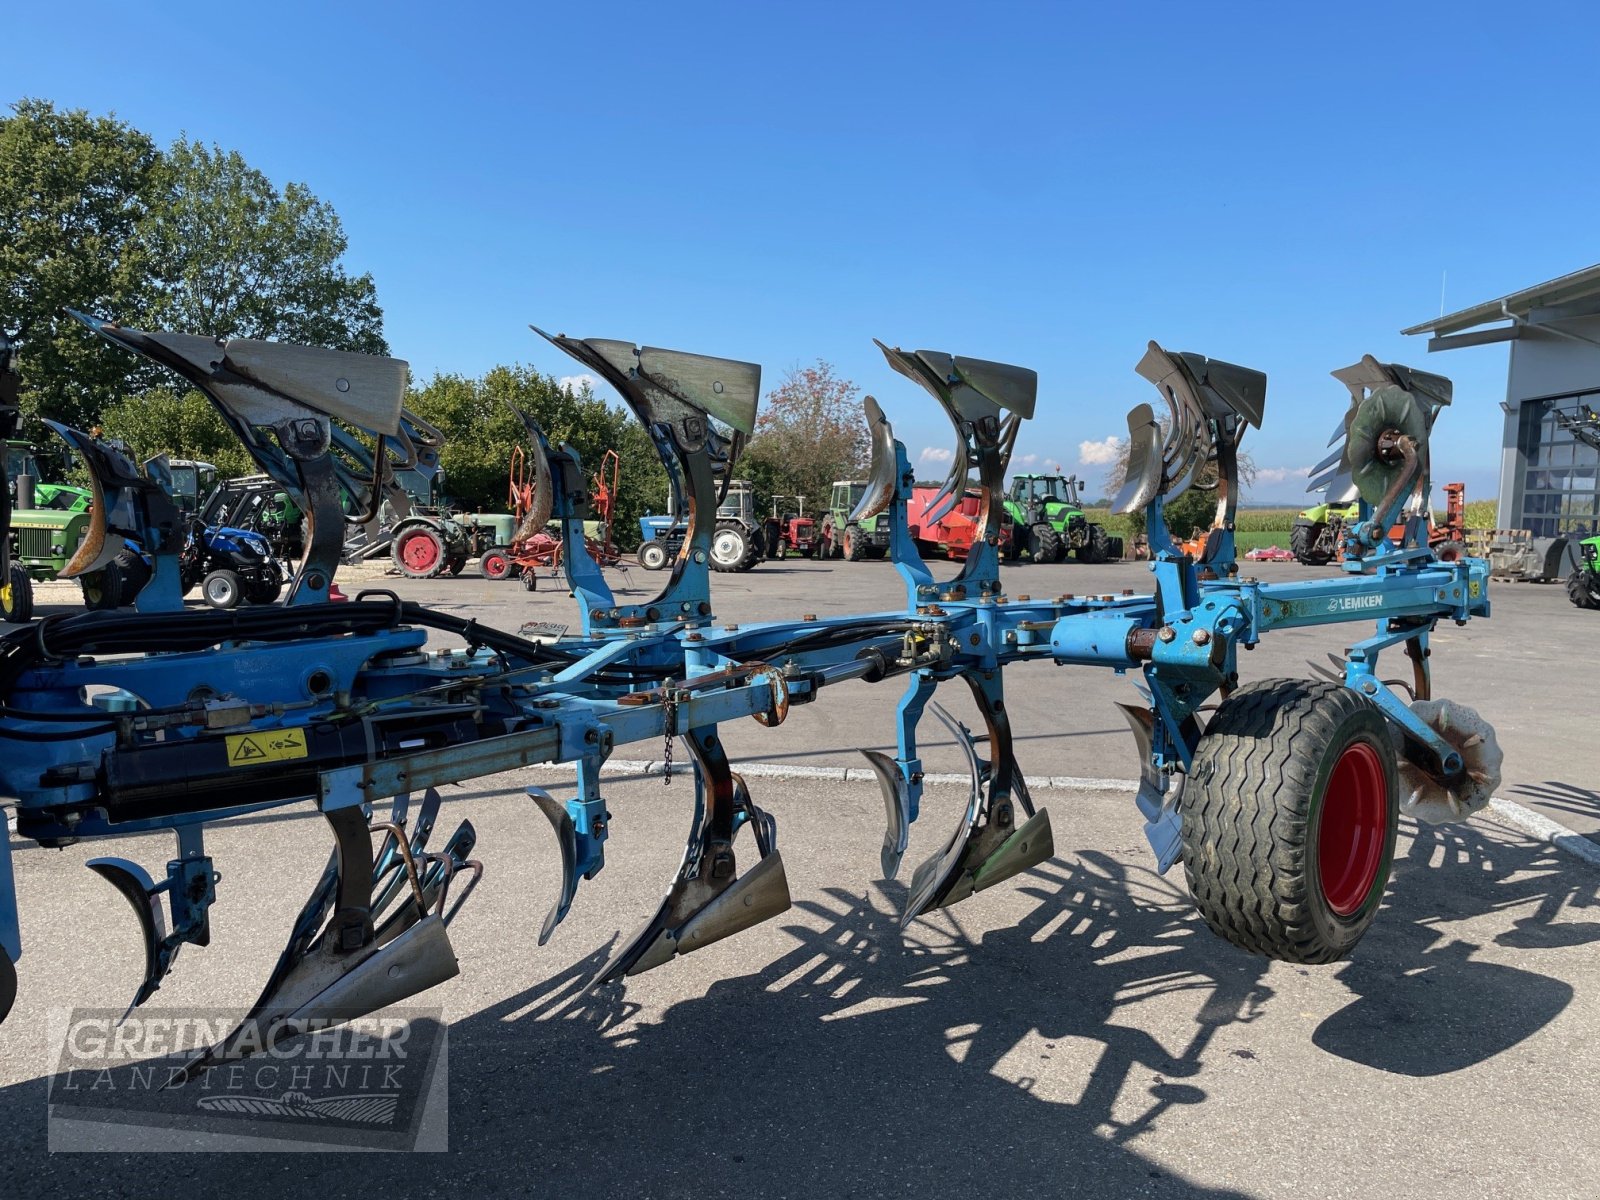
1280, 797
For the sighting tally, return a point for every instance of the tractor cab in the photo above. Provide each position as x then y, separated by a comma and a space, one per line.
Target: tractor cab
1043, 493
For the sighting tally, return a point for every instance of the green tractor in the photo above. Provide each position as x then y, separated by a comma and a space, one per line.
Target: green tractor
1314, 538
839, 537
1047, 521
48, 522
1583, 585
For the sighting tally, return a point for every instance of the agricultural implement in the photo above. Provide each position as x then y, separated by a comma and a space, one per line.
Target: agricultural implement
532, 545
1282, 802
953, 532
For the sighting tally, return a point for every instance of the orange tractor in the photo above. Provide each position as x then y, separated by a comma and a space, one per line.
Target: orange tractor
531, 549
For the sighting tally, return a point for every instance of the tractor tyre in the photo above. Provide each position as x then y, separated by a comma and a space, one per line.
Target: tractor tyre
1303, 539
419, 552
730, 547
1289, 817
454, 563
135, 574
1011, 551
102, 589
1044, 544
1451, 551
16, 598
222, 589
754, 556
265, 587
1583, 587
855, 544
652, 556
495, 563
1094, 549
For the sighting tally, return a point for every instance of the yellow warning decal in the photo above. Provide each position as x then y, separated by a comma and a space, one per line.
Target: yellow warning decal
1474, 589
253, 749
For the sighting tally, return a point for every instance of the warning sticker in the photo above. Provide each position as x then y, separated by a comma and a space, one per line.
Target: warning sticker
253, 749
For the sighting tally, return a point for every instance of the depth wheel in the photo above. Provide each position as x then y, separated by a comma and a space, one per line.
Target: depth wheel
1289, 819
16, 596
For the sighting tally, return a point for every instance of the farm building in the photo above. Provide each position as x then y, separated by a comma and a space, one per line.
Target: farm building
1550, 450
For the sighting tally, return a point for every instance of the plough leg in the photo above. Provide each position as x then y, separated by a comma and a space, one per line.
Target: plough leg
340, 970
988, 846
708, 899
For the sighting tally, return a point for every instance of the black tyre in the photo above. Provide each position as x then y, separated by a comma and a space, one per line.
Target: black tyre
1583, 588
135, 574
102, 589
453, 564
419, 552
495, 563
1303, 539
16, 597
1289, 819
530, 579
265, 589
222, 589
855, 545
730, 547
1011, 549
1045, 545
1093, 549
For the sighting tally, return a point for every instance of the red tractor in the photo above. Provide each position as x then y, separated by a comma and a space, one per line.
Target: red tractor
791, 532
531, 550
953, 534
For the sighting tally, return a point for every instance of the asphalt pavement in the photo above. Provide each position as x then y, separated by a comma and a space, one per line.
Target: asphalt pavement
1074, 1031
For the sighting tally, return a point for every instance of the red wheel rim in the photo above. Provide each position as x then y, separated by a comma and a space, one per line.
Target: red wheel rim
1352, 828
420, 552
495, 566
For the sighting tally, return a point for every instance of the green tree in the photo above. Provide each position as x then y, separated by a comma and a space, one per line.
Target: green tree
810, 433
183, 424
74, 195
240, 258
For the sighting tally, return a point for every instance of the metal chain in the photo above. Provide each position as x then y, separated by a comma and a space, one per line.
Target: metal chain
669, 726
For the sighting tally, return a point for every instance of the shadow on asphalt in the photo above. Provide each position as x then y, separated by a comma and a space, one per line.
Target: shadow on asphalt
865, 1062
1563, 797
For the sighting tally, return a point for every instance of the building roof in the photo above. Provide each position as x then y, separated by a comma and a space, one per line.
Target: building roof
1568, 288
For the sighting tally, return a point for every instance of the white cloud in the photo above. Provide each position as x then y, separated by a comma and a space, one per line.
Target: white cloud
1100, 454
576, 383
935, 454
1025, 460
1280, 474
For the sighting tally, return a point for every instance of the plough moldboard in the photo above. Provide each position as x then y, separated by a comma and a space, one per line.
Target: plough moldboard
1281, 798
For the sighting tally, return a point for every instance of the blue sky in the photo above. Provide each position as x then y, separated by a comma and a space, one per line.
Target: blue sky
1280, 185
